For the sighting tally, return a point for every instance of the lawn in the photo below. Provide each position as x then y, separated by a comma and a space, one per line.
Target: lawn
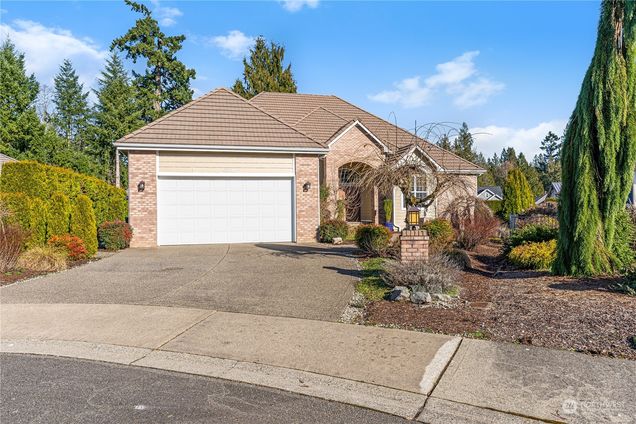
526, 307
371, 285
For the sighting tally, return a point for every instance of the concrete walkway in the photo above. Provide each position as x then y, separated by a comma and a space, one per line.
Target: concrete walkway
431, 378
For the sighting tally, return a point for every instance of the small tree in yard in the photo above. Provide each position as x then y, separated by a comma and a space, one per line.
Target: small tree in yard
517, 193
599, 150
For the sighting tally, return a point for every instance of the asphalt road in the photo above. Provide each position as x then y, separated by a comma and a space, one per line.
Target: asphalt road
41, 389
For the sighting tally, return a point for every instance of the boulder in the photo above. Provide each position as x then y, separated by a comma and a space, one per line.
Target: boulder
337, 240
399, 293
421, 297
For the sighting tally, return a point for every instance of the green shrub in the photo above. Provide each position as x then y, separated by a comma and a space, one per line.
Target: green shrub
496, 206
440, 234
332, 228
533, 233
373, 239
534, 255
83, 223
114, 235
59, 216
624, 238
39, 218
19, 204
387, 205
38, 180
43, 259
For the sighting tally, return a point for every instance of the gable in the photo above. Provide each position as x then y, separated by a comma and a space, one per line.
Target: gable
356, 145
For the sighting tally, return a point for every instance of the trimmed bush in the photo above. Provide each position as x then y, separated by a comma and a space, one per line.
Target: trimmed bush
43, 259
38, 180
437, 275
12, 238
532, 233
460, 257
373, 239
59, 215
332, 228
72, 245
39, 218
114, 235
440, 234
83, 223
534, 255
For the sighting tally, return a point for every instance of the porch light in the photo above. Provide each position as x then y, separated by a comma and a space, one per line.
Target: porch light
141, 186
306, 186
413, 216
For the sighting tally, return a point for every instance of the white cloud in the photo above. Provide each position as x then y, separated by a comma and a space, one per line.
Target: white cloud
458, 78
165, 15
45, 48
493, 138
233, 45
296, 5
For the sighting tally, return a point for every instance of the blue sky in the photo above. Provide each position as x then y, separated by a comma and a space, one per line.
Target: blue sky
511, 70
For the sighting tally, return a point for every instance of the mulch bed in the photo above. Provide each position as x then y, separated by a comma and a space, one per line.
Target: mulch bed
24, 274
525, 307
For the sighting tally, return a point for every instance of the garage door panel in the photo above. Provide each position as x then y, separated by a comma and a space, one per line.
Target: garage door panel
224, 210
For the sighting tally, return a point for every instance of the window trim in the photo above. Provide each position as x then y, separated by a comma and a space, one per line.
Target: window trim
414, 191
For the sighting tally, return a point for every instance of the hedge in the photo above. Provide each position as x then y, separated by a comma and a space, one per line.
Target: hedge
29, 213
59, 215
38, 180
83, 223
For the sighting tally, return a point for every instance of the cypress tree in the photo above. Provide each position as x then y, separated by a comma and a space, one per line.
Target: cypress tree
116, 114
19, 123
599, 149
72, 113
264, 71
517, 193
165, 84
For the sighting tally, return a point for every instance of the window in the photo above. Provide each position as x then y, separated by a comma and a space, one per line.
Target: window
418, 189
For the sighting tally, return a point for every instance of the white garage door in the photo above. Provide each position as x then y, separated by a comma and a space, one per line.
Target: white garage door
224, 210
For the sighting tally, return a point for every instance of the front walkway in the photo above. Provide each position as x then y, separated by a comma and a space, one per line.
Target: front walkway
433, 378
302, 281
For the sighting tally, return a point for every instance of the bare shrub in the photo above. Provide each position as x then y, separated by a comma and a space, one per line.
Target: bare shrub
438, 275
12, 239
43, 259
473, 221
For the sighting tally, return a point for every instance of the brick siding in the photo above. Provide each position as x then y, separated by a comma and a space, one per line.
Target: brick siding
307, 203
142, 206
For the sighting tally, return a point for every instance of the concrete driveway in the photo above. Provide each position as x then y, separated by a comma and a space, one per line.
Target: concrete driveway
303, 281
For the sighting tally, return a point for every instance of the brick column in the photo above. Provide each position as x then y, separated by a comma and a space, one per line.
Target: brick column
413, 246
307, 202
142, 205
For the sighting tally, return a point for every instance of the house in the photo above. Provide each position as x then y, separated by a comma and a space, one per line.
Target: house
553, 193
222, 169
3, 159
490, 193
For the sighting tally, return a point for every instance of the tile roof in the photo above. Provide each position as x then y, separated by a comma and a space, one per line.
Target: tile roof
493, 189
295, 109
221, 118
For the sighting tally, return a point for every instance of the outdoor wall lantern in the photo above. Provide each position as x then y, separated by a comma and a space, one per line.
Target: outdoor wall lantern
413, 217
141, 185
306, 186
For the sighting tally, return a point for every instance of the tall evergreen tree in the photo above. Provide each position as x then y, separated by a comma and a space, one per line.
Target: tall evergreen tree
116, 113
265, 71
463, 144
165, 84
445, 143
72, 113
531, 174
517, 193
19, 123
548, 162
599, 149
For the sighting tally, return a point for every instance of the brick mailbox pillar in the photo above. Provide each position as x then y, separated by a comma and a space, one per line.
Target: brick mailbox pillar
413, 246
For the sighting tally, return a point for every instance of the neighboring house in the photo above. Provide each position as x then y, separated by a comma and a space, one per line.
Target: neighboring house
222, 169
490, 193
3, 159
553, 193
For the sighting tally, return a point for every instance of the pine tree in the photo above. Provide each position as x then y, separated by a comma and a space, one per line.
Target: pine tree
165, 84
547, 163
19, 123
517, 193
116, 114
264, 71
599, 149
72, 113
463, 144
445, 143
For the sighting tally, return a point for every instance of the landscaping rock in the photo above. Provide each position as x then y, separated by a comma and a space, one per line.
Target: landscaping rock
399, 293
442, 297
421, 297
337, 240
